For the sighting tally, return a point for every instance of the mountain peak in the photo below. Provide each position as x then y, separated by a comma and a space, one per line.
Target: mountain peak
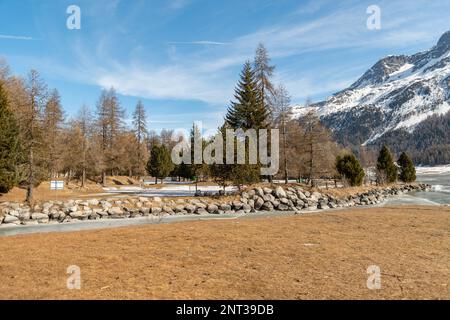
444, 40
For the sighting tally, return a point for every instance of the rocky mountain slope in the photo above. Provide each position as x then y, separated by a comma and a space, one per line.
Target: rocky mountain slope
393, 97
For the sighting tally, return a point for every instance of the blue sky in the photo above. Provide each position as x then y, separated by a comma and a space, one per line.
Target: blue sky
183, 57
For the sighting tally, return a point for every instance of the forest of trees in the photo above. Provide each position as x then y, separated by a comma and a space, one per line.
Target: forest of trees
428, 143
38, 141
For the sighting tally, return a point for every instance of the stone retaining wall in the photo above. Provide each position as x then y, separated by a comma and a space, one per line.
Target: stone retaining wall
278, 198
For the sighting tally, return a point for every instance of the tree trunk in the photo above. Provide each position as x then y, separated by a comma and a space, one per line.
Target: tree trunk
83, 178
30, 187
104, 178
311, 165
284, 153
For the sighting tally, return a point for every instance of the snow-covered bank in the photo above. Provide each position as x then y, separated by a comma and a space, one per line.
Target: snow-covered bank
433, 170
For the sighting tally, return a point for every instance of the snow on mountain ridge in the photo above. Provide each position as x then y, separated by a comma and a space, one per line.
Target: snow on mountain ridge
398, 92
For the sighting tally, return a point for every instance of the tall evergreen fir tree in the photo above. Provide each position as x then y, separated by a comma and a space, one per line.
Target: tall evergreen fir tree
407, 169
247, 111
386, 169
9, 144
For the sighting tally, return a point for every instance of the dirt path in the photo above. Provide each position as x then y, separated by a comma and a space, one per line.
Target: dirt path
313, 256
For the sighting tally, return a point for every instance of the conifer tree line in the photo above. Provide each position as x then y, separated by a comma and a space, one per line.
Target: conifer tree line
39, 142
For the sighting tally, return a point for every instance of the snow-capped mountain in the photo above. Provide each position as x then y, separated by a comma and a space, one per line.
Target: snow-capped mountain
397, 93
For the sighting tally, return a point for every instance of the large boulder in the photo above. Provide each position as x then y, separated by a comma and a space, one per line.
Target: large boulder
259, 192
258, 203
11, 219
212, 208
267, 190
225, 207
279, 192
156, 210
76, 214
114, 211
267, 206
41, 217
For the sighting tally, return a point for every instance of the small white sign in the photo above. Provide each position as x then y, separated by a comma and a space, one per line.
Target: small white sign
56, 185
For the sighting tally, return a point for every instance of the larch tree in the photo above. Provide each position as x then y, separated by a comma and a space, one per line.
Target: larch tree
31, 127
110, 123
84, 123
263, 72
53, 119
279, 103
319, 148
140, 130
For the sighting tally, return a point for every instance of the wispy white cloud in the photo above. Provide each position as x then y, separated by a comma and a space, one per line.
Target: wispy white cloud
178, 4
201, 42
12, 37
204, 75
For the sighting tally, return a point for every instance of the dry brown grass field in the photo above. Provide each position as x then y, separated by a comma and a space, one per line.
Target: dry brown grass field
311, 256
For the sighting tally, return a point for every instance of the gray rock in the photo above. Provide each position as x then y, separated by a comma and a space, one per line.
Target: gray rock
323, 205
247, 208
178, 208
200, 205
156, 210
115, 211
40, 217
105, 204
201, 211
267, 190
237, 205
11, 219
14, 213
144, 211
279, 192
259, 203
94, 216
167, 209
30, 222
225, 207
25, 215
212, 208
93, 202
190, 208
76, 214
259, 192
268, 198
268, 206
